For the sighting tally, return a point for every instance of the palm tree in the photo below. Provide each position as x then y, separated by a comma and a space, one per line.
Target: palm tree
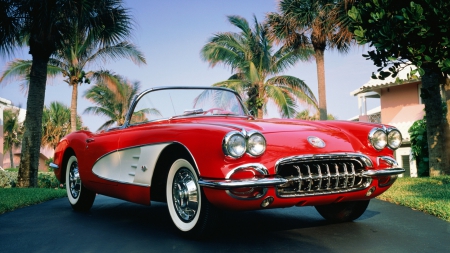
56, 124
12, 132
71, 61
251, 56
316, 23
113, 95
44, 26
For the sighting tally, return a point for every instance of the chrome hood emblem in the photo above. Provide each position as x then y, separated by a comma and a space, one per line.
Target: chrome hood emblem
316, 142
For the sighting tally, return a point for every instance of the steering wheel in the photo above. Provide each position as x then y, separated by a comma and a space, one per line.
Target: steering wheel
220, 110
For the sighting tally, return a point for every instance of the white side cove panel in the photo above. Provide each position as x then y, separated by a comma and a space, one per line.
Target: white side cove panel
130, 166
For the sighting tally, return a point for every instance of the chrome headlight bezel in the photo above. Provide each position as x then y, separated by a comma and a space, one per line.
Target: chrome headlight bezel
378, 138
394, 138
255, 138
230, 144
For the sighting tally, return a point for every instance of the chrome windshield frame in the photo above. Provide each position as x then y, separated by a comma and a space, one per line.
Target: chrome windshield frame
143, 93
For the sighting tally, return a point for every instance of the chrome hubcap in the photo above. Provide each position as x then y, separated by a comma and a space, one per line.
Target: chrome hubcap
74, 180
185, 194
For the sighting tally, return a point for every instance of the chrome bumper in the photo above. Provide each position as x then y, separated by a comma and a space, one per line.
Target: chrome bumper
381, 173
229, 184
266, 182
53, 166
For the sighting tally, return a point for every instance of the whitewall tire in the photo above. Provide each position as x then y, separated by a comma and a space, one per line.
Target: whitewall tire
80, 198
189, 209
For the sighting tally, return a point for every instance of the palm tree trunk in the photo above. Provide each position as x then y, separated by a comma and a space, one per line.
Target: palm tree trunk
73, 108
434, 116
259, 98
11, 157
31, 142
320, 62
447, 124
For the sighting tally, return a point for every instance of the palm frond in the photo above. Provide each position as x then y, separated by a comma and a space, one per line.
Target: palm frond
297, 86
16, 70
123, 50
282, 99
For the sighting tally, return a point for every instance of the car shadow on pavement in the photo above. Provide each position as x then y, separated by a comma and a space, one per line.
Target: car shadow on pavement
155, 219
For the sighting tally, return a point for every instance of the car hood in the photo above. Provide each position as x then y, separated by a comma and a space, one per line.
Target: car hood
292, 134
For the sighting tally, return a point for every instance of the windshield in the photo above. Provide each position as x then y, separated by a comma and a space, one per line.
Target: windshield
166, 103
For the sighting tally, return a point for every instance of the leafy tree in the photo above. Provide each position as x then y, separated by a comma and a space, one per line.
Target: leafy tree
12, 132
251, 56
43, 25
316, 23
411, 32
56, 122
113, 95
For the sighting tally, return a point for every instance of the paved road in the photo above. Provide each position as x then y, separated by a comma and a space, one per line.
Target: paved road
117, 226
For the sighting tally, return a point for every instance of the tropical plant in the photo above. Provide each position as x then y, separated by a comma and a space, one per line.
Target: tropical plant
71, 61
419, 146
250, 54
12, 132
316, 23
417, 33
44, 26
113, 95
306, 115
56, 122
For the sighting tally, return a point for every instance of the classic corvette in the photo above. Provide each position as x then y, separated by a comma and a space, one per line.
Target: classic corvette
199, 150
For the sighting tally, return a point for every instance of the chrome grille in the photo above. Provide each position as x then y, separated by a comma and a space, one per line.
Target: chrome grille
321, 174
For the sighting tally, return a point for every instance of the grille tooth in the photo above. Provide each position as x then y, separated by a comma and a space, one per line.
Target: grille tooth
345, 176
309, 178
328, 177
353, 175
321, 176
336, 167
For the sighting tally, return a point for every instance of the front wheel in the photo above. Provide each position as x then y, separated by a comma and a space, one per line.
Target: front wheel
343, 211
80, 198
189, 209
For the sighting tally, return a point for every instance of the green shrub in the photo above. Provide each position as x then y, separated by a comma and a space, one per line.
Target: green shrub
8, 179
419, 146
47, 180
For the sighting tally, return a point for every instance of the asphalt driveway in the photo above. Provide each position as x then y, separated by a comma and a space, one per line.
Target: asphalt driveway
117, 226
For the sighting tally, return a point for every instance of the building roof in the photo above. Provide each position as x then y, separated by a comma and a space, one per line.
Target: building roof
403, 77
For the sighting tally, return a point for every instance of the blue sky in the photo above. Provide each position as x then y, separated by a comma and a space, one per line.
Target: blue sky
171, 34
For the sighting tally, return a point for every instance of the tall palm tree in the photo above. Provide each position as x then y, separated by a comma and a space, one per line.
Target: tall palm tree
12, 132
113, 95
56, 123
71, 61
255, 64
316, 23
44, 26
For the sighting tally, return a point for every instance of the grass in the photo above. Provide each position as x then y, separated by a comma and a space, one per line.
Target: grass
429, 195
13, 198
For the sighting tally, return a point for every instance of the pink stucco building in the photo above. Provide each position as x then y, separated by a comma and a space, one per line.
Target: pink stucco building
400, 106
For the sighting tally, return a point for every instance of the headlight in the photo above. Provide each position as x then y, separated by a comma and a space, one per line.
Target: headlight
256, 144
234, 144
394, 138
378, 138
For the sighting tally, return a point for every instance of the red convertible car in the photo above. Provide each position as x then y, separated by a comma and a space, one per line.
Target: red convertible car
199, 150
